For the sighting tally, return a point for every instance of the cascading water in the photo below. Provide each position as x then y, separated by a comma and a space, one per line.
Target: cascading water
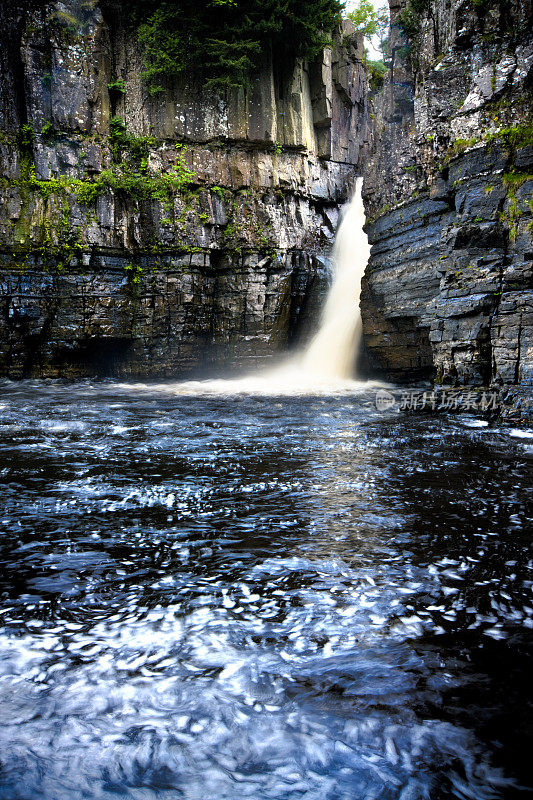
328, 363
331, 353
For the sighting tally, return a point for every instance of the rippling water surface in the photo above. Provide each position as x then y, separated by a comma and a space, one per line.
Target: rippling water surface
208, 596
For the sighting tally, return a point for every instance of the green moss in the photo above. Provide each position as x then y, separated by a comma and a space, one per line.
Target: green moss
65, 20
493, 77
46, 189
134, 274
516, 136
513, 180
376, 71
218, 190
412, 15
9, 138
133, 185
125, 144
459, 146
117, 128
379, 213
58, 245
87, 192
247, 228
55, 243
27, 137
513, 137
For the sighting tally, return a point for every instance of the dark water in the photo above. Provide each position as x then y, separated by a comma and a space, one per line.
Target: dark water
255, 597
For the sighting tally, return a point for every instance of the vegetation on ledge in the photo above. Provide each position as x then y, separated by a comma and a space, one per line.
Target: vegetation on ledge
513, 138
129, 175
516, 136
225, 39
412, 15
376, 72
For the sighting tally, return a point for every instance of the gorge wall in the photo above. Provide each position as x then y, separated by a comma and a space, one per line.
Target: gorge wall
448, 192
157, 236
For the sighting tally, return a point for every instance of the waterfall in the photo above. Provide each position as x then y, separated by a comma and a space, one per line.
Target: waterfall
327, 364
331, 353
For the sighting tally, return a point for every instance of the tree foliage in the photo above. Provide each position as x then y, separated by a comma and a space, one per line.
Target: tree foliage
371, 22
227, 40
365, 18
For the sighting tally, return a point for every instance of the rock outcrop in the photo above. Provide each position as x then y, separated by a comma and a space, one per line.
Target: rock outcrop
156, 236
448, 192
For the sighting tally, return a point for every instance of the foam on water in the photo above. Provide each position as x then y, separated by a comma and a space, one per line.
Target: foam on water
288, 380
256, 599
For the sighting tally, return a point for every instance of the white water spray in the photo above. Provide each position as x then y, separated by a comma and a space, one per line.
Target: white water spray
332, 351
328, 363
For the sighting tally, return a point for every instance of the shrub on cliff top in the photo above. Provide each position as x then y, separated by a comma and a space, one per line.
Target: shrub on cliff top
227, 40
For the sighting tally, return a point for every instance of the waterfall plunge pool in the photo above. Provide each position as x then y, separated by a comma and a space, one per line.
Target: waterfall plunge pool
211, 596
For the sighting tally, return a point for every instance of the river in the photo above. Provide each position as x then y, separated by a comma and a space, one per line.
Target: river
213, 595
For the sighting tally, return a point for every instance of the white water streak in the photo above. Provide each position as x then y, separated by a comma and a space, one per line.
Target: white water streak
332, 351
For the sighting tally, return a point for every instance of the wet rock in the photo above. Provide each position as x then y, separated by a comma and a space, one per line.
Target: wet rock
450, 125
223, 273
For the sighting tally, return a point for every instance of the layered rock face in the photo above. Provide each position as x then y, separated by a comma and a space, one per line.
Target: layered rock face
156, 236
448, 191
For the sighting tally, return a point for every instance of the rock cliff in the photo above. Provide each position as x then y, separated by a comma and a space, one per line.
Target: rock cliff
161, 235
156, 236
448, 192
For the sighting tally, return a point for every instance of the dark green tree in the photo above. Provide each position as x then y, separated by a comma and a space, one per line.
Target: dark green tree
227, 40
